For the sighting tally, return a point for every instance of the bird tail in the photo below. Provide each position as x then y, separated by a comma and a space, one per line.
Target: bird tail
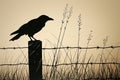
16, 37
15, 32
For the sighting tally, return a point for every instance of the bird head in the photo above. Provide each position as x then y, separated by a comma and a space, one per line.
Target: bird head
45, 18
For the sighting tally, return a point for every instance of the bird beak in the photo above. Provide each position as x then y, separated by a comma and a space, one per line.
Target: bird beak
51, 19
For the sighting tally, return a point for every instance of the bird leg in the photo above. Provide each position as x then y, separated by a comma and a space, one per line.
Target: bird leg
34, 38
30, 38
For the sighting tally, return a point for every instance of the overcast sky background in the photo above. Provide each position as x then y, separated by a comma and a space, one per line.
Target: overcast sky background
100, 16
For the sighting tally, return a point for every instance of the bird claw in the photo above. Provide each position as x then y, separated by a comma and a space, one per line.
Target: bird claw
34, 39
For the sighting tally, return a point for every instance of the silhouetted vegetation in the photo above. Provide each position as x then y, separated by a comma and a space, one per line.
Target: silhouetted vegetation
75, 66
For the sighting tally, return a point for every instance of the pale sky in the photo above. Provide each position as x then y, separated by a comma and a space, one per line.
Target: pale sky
100, 16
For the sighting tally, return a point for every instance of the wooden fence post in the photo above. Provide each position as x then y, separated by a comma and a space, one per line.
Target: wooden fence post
35, 59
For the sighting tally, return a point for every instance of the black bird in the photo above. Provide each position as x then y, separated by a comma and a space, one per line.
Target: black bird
31, 27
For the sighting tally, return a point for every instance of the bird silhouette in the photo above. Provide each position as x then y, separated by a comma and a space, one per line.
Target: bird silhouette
30, 28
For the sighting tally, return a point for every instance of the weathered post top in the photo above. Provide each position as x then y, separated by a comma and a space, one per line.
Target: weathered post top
35, 59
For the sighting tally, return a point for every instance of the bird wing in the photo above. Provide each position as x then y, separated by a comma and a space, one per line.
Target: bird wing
27, 27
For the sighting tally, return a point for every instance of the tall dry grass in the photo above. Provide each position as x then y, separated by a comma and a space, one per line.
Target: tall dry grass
74, 66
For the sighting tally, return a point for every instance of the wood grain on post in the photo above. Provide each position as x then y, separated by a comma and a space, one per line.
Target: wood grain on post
35, 60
